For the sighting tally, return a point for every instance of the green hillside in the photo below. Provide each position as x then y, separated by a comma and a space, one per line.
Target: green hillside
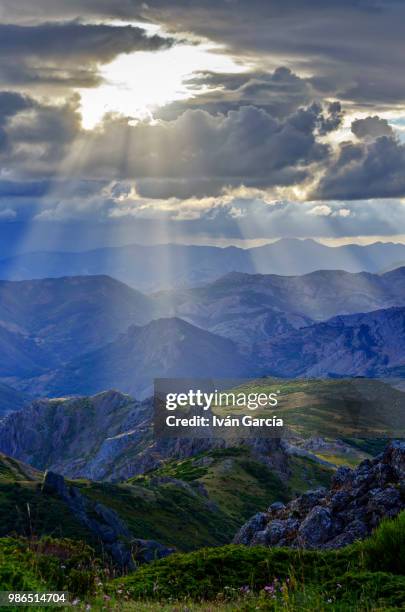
366, 576
189, 503
335, 408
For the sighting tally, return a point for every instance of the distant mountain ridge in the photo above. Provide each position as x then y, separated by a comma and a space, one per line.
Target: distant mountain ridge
370, 344
53, 320
240, 300
151, 268
164, 348
366, 344
82, 335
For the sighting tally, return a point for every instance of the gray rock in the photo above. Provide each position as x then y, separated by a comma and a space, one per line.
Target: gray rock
276, 507
356, 530
105, 524
111, 518
340, 501
384, 499
357, 502
316, 528
257, 523
394, 455
342, 476
54, 483
271, 535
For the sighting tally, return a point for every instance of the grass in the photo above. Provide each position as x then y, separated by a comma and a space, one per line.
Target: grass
372, 569
366, 576
189, 503
54, 564
26, 511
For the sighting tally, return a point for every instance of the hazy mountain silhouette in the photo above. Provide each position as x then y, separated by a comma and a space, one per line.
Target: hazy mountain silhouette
150, 268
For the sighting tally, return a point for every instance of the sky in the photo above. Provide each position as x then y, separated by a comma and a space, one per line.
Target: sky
213, 122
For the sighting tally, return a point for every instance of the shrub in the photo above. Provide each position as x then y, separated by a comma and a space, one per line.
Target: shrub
385, 549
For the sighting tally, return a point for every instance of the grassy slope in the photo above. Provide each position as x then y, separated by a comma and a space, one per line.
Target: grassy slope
333, 408
370, 574
366, 576
190, 503
368, 570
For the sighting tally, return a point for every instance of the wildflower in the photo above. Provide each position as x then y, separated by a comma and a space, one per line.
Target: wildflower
269, 588
75, 601
338, 586
106, 597
245, 589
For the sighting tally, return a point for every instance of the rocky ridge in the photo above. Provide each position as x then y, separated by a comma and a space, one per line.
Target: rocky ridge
356, 503
105, 524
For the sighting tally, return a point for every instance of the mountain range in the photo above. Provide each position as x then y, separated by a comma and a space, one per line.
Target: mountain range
109, 436
151, 268
164, 348
370, 344
83, 335
259, 306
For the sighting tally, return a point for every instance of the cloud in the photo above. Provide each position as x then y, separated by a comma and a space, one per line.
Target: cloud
38, 137
7, 214
269, 129
200, 154
371, 127
66, 53
196, 154
279, 92
321, 210
334, 42
369, 169
10, 104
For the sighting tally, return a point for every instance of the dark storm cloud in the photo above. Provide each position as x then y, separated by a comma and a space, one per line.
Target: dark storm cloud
197, 154
371, 127
10, 104
203, 153
353, 49
66, 53
371, 169
268, 127
36, 137
89, 42
26, 11
279, 92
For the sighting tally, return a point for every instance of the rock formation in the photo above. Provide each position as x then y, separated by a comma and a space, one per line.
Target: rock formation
105, 524
356, 503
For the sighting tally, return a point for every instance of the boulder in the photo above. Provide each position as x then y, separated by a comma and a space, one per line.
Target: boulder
316, 528
356, 503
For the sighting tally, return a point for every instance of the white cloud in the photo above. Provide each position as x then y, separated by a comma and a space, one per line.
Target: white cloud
7, 214
321, 210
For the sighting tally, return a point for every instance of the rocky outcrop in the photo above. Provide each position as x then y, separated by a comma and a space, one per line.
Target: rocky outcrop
108, 436
356, 503
105, 524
